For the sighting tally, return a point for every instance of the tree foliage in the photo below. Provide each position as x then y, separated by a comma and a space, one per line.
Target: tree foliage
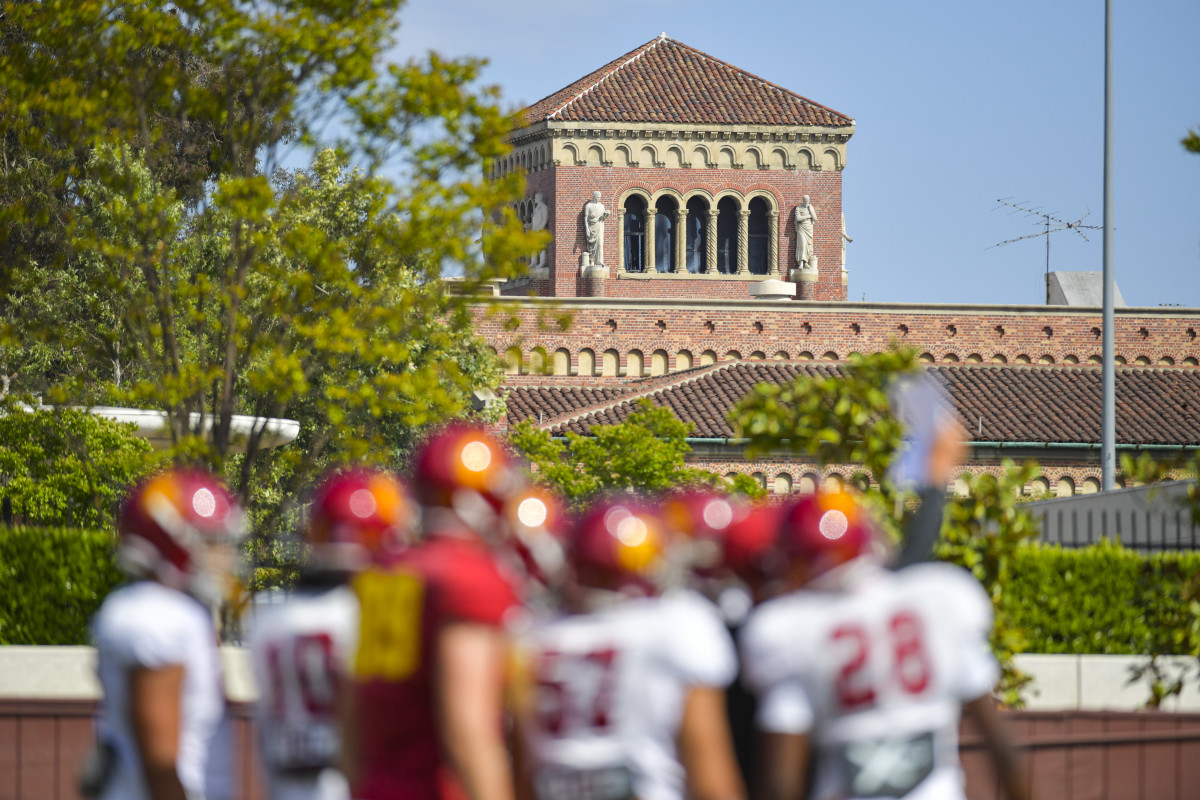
67, 467
644, 454
153, 254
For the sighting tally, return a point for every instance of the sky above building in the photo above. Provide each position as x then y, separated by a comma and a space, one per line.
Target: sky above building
957, 105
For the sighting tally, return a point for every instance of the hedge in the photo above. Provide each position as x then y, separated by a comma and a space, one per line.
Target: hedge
1100, 599
1105, 599
53, 580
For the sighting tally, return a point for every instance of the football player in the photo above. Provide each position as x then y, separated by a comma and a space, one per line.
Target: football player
863, 673
623, 696
302, 648
162, 724
430, 670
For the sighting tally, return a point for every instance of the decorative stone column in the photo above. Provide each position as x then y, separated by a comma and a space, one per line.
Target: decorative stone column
680, 264
743, 265
621, 240
773, 265
651, 239
807, 278
710, 243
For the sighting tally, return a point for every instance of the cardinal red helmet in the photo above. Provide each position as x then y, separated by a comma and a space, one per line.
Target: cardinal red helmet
179, 528
537, 521
825, 530
698, 513
357, 517
619, 544
749, 543
463, 460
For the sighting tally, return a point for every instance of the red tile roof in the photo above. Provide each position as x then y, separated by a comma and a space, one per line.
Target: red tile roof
666, 81
1016, 403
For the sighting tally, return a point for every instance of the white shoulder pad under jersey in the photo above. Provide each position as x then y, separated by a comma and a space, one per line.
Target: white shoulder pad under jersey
890, 648
301, 651
148, 626
607, 691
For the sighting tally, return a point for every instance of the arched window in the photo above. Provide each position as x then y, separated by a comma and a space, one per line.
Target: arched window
727, 244
664, 233
635, 234
756, 250
697, 238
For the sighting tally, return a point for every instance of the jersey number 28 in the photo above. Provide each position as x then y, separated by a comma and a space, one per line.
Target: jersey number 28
910, 667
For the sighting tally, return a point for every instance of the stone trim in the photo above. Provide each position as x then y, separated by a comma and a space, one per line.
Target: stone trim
695, 276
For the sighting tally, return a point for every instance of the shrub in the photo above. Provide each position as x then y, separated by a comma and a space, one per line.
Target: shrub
54, 579
67, 467
1105, 599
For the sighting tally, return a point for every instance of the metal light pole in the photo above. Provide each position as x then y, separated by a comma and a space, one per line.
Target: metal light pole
1108, 446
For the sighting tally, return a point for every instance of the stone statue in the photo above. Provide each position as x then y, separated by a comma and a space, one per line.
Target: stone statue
541, 216
806, 217
594, 215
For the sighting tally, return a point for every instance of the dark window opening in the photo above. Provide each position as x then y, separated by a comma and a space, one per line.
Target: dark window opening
727, 244
697, 234
756, 245
635, 234
664, 234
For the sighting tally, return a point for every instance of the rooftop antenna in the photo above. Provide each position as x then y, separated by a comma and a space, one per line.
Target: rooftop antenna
1047, 219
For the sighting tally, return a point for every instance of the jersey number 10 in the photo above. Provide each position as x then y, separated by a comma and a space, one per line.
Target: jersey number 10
910, 667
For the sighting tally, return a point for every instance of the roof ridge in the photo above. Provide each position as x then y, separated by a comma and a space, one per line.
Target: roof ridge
634, 396
638, 53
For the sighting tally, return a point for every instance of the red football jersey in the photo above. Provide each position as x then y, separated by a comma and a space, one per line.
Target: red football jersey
403, 607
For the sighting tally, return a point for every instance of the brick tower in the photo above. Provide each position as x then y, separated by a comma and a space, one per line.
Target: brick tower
701, 168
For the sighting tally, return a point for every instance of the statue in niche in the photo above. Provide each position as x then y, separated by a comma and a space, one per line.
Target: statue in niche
538, 222
594, 215
806, 217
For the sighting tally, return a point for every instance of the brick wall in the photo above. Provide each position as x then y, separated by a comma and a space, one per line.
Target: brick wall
568, 188
748, 329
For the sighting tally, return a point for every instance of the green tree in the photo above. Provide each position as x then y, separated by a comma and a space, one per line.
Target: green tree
1191, 142
188, 274
67, 467
645, 454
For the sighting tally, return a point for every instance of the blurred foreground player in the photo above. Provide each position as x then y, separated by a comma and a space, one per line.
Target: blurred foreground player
623, 696
426, 711
162, 726
302, 648
863, 673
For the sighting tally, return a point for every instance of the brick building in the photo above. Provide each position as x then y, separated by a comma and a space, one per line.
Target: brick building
702, 265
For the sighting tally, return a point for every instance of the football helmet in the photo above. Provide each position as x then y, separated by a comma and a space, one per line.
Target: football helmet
461, 466
826, 530
357, 517
749, 545
698, 513
181, 528
535, 531
619, 544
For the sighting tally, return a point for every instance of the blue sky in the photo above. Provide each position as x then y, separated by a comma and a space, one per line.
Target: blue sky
957, 104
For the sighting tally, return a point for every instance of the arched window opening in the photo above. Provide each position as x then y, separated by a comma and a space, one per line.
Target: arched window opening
727, 244
635, 234
697, 238
664, 233
756, 248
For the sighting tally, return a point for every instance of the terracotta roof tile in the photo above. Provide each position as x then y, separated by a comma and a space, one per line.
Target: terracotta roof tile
994, 403
665, 81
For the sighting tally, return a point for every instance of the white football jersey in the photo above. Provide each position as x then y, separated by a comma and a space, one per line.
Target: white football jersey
301, 651
147, 625
607, 692
876, 673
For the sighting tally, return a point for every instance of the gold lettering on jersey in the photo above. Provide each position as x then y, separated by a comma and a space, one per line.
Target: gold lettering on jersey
389, 644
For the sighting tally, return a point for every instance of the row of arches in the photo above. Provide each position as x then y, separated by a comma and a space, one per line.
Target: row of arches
700, 156
1047, 359
526, 159
791, 481
637, 363
698, 233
